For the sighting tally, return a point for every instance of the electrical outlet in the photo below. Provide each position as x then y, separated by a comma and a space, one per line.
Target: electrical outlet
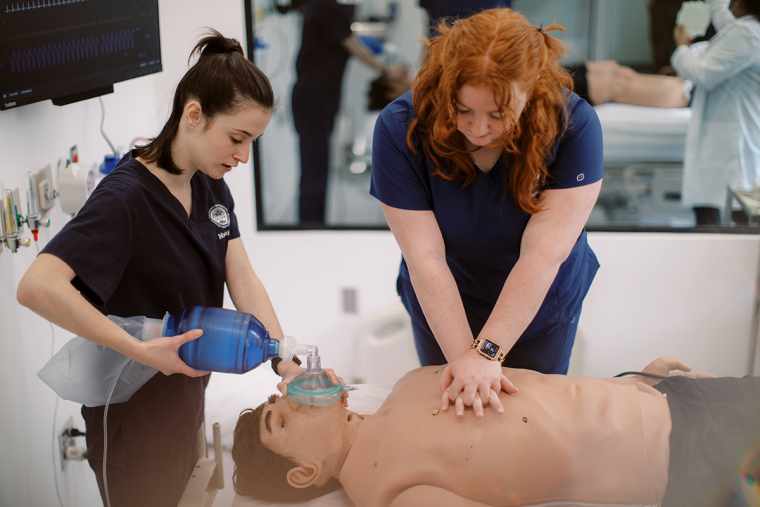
350, 304
44, 180
65, 440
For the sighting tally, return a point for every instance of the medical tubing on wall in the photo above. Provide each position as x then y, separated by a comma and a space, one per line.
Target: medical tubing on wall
102, 121
105, 432
55, 408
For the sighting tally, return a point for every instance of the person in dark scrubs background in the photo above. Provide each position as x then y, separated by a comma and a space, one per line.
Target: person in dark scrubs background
458, 9
487, 172
160, 234
326, 44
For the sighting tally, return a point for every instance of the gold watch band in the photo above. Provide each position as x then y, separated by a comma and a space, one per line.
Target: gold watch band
500, 356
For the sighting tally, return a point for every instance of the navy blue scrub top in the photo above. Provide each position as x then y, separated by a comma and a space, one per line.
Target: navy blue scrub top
460, 9
481, 224
135, 252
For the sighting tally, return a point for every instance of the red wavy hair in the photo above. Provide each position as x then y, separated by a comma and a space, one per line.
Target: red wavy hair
494, 48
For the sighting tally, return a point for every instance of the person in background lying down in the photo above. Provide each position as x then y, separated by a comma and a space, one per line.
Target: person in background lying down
595, 82
607, 81
689, 440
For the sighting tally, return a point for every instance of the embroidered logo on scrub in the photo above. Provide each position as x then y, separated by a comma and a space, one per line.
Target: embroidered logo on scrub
581, 177
220, 216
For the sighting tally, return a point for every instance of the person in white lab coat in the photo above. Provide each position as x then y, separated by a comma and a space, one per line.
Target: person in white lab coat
723, 142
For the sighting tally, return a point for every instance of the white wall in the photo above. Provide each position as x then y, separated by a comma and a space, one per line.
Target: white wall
30, 138
677, 294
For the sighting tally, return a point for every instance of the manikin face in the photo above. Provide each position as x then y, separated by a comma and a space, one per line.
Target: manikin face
478, 116
225, 141
311, 436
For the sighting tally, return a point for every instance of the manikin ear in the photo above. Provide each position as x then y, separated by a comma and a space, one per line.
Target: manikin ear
193, 115
304, 475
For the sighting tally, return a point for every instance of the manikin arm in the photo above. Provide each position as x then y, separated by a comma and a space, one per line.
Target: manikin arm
664, 367
355, 46
432, 495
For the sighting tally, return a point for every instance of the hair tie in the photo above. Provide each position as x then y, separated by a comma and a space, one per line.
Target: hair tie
541, 29
235, 47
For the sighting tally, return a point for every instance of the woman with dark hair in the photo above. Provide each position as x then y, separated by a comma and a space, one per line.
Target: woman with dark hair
160, 234
487, 172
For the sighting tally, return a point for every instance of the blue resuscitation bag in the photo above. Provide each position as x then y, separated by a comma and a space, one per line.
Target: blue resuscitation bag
232, 342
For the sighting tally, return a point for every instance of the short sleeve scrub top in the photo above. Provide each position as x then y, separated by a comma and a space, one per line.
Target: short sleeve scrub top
136, 252
482, 227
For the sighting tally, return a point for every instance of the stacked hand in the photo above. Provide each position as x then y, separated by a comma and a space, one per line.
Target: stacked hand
669, 367
474, 381
291, 370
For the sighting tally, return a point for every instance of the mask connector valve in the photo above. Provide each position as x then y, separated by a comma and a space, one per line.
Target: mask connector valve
313, 386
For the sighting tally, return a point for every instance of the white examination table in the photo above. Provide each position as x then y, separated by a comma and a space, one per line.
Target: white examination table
636, 134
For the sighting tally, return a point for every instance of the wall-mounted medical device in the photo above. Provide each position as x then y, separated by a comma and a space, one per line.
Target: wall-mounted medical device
12, 221
33, 217
75, 184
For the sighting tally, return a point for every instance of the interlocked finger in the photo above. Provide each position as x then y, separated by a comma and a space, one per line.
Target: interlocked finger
459, 406
469, 393
477, 407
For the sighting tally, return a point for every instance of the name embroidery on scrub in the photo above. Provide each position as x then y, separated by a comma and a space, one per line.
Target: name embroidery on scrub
220, 216
224, 234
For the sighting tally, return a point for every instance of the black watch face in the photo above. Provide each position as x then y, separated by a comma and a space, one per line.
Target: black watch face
490, 349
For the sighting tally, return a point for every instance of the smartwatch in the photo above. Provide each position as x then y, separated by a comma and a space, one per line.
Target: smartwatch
490, 350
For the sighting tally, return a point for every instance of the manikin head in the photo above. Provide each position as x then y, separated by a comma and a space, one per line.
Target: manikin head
222, 104
289, 452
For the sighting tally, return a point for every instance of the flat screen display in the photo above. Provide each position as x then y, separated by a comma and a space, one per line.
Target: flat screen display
52, 49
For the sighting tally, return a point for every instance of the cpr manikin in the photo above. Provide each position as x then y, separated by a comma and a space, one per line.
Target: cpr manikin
561, 438
662, 438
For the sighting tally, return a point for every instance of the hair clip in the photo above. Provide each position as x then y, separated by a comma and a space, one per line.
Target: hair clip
450, 22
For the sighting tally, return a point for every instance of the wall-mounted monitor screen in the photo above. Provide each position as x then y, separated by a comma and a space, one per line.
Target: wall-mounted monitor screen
69, 50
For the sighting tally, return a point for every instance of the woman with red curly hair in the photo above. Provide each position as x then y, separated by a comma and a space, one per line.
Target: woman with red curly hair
487, 172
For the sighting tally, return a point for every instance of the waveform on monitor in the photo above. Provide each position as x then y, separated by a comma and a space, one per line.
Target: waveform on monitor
64, 52
70, 27
38, 4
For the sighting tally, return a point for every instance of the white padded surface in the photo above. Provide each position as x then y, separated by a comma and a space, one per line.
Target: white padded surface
232, 395
643, 134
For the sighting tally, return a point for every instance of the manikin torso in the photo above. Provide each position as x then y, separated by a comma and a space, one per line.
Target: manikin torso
561, 439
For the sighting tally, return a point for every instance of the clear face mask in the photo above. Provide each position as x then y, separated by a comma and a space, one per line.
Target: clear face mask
313, 386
